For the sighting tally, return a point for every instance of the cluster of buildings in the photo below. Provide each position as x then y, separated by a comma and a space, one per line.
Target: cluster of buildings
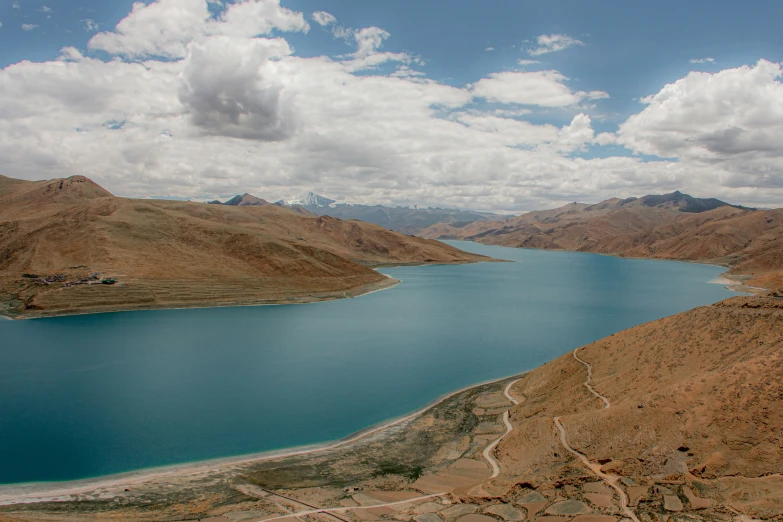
94, 278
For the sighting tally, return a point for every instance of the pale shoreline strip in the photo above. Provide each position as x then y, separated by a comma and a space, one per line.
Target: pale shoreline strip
26, 493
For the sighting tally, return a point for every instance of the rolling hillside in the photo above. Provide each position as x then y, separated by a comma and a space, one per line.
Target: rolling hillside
55, 234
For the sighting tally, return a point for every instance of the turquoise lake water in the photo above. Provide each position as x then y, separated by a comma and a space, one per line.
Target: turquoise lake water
92, 395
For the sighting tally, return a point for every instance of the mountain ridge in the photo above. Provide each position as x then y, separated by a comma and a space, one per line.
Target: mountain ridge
56, 235
670, 226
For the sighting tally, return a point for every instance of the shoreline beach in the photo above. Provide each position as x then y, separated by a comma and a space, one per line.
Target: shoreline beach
35, 492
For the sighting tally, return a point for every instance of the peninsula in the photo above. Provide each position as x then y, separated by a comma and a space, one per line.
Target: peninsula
69, 246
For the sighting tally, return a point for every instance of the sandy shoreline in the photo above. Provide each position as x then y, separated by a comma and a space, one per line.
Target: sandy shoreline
34, 492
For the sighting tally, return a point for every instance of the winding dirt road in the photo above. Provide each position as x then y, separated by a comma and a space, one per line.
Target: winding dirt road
488, 450
589, 382
507, 392
331, 511
609, 480
487, 455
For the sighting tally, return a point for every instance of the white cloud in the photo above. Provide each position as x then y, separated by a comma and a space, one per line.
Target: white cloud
230, 89
323, 18
162, 28
70, 54
90, 25
525, 63
702, 60
16, 5
251, 18
577, 134
489, 49
552, 43
367, 56
731, 120
403, 71
166, 27
343, 33
543, 88
45, 9
29, 27
227, 111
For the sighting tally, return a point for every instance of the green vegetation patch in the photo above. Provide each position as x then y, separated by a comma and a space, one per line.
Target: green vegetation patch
411, 473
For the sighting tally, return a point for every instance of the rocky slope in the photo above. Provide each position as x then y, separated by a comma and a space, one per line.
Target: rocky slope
695, 414
672, 226
55, 234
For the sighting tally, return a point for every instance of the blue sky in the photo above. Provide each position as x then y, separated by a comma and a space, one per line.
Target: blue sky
627, 50
633, 48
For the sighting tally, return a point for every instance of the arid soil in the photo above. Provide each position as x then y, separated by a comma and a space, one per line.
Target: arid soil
55, 234
749, 242
679, 419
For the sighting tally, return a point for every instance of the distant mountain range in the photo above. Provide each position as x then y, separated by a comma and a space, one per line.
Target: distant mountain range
245, 200
668, 226
411, 221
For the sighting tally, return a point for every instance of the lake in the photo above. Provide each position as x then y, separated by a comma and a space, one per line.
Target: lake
92, 395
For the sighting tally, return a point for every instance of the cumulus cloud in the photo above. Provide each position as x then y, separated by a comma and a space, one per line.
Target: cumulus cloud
577, 134
201, 103
702, 60
230, 89
28, 27
731, 119
552, 43
543, 88
166, 27
323, 18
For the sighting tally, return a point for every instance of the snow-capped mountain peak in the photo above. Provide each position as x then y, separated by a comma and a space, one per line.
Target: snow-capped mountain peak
311, 200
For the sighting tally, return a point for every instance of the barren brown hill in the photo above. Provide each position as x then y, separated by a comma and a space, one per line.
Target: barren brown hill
672, 226
695, 414
171, 253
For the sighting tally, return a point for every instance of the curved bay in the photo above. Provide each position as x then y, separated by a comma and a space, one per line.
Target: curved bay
91, 395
